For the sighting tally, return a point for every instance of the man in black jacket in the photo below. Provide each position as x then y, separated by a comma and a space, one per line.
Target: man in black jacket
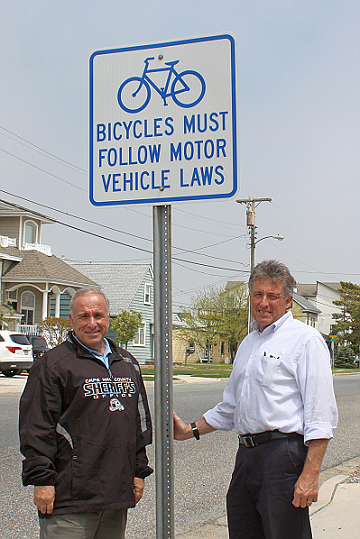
84, 426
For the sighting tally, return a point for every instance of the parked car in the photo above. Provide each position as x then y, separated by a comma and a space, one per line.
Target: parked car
15, 353
39, 345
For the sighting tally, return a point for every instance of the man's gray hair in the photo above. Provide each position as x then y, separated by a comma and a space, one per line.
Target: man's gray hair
277, 272
83, 292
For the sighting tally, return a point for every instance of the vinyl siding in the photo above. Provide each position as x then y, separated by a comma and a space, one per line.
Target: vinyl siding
144, 353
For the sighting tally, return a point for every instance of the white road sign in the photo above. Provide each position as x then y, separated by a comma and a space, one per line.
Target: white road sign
163, 122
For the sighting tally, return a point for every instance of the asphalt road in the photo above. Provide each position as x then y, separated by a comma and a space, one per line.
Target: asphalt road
202, 469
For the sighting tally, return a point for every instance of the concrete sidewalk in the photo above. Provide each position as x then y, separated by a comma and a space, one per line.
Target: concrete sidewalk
336, 514
13, 385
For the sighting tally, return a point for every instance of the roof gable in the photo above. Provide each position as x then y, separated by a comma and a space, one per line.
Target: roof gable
14, 210
312, 289
36, 267
117, 280
333, 286
305, 304
306, 289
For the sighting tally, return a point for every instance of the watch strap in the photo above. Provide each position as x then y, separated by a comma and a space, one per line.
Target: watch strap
195, 430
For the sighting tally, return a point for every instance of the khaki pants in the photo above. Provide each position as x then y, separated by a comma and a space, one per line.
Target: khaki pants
103, 525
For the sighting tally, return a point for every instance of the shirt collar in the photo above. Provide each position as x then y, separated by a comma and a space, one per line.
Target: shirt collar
94, 352
275, 325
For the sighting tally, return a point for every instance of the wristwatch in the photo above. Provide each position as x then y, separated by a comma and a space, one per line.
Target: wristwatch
195, 430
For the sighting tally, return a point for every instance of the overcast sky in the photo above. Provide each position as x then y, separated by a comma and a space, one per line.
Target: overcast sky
299, 118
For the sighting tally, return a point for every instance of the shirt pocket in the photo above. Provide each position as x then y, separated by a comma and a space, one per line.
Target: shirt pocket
269, 370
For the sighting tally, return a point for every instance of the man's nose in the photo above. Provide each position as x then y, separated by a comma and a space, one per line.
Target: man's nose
92, 321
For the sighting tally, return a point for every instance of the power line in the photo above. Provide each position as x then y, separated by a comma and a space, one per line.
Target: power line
42, 170
40, 150
132, 246
201, 218
119, 231
75, 216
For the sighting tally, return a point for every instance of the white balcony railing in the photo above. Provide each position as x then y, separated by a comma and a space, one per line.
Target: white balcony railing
28, 329
45, 249
5, 241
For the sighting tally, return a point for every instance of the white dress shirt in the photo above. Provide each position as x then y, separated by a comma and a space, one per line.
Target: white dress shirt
281, 379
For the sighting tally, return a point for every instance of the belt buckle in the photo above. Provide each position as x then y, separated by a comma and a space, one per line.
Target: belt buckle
249, 441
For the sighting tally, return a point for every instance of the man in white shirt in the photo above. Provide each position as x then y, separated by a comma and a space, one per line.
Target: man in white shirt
281, 402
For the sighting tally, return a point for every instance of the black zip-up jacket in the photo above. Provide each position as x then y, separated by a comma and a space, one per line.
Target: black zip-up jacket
84, 428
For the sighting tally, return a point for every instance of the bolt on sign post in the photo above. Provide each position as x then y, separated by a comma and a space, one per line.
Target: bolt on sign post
163, 129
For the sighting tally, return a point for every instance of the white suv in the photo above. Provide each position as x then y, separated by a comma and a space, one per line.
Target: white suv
15, 353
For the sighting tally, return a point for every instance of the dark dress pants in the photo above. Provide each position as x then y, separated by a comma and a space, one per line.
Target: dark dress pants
259, 499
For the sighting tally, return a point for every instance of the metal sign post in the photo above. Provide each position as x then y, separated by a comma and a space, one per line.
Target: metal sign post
163, 373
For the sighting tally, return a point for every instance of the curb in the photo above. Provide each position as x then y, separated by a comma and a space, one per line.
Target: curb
330, 480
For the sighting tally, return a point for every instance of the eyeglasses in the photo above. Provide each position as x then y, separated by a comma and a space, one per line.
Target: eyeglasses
270, 296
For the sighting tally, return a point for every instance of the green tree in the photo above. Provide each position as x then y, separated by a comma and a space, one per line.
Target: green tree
219, 315
54, 329
345, 358
347, 323
125, 326
7, 316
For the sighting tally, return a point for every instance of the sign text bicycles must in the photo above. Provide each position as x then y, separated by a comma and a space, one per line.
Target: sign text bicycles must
163, 122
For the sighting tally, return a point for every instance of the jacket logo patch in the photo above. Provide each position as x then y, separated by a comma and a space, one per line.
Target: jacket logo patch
115, 405
124, 387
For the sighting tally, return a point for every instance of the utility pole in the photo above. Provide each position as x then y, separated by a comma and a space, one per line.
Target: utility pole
251, 205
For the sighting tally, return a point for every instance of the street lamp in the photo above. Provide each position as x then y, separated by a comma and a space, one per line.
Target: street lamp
254, 242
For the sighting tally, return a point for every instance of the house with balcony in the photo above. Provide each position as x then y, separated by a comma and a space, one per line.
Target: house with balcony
35, 282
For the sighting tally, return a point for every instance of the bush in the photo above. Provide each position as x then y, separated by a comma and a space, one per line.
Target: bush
345, 358
54, 330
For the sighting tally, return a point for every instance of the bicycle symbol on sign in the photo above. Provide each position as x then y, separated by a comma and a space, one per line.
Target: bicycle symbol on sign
186, 88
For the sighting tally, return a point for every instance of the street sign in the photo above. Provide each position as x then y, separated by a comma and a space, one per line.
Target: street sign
163, 122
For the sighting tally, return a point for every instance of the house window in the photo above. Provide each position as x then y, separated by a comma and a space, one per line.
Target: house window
12, 298
147, 294
312, 321
140, 336
27, 308
30, 232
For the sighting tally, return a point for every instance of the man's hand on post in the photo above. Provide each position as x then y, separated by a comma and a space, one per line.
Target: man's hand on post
182, 430
139, 485
44, 499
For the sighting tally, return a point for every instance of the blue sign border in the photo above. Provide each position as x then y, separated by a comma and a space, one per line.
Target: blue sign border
167, 200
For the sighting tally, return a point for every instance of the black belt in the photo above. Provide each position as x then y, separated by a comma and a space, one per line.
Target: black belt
251, 440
